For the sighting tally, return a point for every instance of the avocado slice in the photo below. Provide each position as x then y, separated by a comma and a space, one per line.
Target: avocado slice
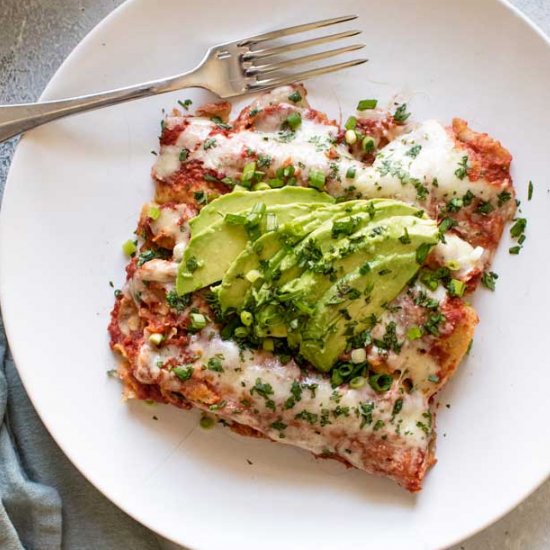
346, 307
320, 240
235, 285
283, 265
322, 248
210, 253
377, 238
238, 201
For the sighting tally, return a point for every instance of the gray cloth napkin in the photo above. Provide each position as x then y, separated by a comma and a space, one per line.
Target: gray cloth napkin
45, 503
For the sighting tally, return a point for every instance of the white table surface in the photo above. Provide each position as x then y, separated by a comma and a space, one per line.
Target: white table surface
26, 66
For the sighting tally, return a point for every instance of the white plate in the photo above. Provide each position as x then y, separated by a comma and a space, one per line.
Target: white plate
73, 196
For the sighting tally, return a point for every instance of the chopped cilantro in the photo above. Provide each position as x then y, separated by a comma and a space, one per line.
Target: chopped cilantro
379, 424
262, 388
278, 425
215, 363
209, 143
462, 169
485, 208
518, 228
397, 406
365, 411
405, 238
220, 123
350, 173
192, 264
401, 114
309, 417
185, 104
414, 151
179, 303
503, 197
295, 96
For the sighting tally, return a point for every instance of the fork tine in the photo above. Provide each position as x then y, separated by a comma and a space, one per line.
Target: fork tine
285, 48
262, 69
296, 29
289, 79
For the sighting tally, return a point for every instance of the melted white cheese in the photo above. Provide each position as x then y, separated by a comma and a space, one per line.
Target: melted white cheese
227, 155
342, 429
167, 162
172, 223
461, 257
420, 164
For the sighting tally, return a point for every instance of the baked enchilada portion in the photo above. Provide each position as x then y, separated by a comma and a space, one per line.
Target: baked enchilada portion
308, 281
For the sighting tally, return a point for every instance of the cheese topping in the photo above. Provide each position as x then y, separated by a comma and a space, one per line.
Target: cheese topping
275, 396
420, 164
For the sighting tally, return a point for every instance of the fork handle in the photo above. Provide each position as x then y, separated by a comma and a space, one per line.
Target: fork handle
15, 119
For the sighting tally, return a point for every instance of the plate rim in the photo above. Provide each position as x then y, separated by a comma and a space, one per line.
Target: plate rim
13, 345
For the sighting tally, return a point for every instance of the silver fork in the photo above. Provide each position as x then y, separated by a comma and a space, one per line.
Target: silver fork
228, 70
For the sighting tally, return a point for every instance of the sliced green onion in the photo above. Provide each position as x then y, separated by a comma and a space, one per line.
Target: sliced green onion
253, 275
456, 287
240, 188
366, 104
358, 355
207, 422
336, 378
156, 339
350, 174
453, 265
358, 382
288, 171
530, 191
234, 219
275, 183
154, 212
129, 247
198, 321
294, 120
254, 217
380, 382
248, 173
241, 332
183, 373
261, 186
368, 144
345, 370
317, 179
246, 318
414, 332
351, 137
272, 223
351, 123
229, 181
268, 344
